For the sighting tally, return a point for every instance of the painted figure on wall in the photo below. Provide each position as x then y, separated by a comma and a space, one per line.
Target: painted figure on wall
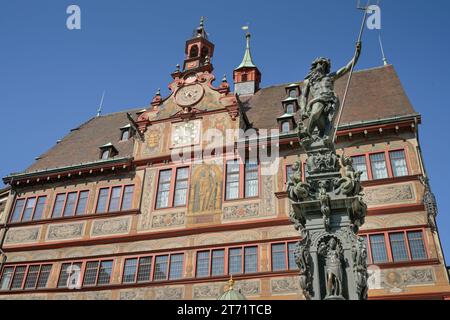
206, 190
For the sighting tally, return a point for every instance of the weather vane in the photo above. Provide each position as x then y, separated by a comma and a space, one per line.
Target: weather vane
246, 27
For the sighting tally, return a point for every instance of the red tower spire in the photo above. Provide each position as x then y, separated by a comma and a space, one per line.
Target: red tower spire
199, 51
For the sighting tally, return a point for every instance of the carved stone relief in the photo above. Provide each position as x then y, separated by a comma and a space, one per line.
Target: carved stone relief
389, 194
397, 280
22, 235
169, 220
285, 285
169, 293
135, 294
109, 227
65, 231
210, 291
249, 288
241, 212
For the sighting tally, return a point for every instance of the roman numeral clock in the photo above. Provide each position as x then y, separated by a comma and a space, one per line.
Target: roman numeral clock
186, 133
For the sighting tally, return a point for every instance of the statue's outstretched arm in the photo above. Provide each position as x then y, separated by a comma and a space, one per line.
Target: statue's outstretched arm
344, 70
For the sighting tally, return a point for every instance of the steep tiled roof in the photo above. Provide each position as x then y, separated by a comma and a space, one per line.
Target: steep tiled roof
374, 94
82, 144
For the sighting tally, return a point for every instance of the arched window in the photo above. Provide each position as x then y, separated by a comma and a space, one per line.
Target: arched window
290, 108
293, 93
285, 127
244, 77
205, 52
194, 51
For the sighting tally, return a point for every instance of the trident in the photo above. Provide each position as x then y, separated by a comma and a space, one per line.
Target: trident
352, 68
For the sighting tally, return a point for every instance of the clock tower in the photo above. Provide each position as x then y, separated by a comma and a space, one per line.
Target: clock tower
199, 51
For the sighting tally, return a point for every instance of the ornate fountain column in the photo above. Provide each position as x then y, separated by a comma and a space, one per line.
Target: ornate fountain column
327, 207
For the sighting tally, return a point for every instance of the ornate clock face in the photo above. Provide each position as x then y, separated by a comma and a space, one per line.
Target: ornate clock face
185, 134
187, 96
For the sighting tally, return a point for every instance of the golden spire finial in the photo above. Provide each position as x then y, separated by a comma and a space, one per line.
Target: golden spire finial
231, 284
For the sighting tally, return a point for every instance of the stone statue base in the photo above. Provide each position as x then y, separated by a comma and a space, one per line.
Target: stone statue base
329, 252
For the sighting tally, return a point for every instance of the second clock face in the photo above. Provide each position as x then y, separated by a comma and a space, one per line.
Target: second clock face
189, 95
184, 134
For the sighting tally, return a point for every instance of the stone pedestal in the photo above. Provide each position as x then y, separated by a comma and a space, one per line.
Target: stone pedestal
342, 229
327, 210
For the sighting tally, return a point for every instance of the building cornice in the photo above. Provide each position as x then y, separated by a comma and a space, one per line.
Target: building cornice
362, 124
51, 174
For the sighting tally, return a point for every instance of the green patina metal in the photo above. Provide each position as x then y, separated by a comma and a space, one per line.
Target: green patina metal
247, 61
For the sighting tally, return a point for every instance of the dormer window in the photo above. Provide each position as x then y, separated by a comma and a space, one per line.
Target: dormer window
108, 151
125, 133
290, 108
286, 123
285, 127
106, 154
293, 90
290, 105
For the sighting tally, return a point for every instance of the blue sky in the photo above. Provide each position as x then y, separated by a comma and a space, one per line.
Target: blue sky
52, 79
